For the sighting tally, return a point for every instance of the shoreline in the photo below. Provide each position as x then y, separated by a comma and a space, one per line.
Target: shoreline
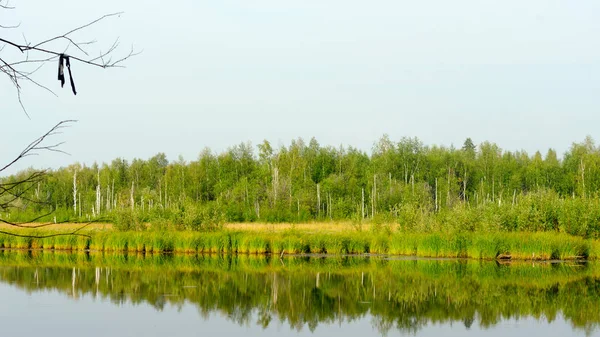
386, 257
499, 246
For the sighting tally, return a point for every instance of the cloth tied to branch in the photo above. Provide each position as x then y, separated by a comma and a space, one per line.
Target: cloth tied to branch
61, 71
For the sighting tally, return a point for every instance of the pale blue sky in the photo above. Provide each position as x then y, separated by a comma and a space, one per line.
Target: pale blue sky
523, 74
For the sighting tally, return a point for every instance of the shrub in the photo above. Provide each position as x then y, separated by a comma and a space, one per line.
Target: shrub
128, 220
207, 217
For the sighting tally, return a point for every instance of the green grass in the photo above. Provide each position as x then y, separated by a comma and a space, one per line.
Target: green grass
22, 243
255, 244
485, 246
186, 243
594, 250
116, 243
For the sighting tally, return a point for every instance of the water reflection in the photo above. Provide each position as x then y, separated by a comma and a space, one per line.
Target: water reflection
303, 292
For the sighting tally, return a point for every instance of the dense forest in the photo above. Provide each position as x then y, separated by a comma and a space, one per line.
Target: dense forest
404, 182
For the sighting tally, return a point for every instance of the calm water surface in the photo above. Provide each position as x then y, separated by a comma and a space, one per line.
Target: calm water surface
60, 294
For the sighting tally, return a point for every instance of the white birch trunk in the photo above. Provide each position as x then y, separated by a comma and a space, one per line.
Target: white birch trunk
582, 179
112, 190
374, 196
362, 205
448, 196
107, 206
98, 196
436, 196
131, 197
318, 201
75, 192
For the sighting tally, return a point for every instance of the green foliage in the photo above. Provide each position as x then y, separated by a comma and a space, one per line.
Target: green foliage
202, 218
127, 220
477, 188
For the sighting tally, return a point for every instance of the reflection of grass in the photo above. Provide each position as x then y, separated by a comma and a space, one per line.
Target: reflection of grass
525, 273
522, 246
398, 292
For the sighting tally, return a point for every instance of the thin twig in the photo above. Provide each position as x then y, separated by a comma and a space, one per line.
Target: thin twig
16, 76
35, 145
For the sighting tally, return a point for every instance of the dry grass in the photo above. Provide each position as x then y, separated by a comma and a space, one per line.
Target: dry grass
61, 227
310, 227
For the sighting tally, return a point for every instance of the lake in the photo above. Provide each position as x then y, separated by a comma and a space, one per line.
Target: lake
68, 294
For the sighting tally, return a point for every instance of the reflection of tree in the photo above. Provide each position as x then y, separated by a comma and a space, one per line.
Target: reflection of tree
264, 317
468, 321
403, 295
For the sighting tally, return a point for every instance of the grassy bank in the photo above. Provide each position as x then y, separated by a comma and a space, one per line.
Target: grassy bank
487, 246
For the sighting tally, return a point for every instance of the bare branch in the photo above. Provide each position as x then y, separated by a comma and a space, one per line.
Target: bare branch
73, 233
64, 36
7, 6
37, 47
11, 27
19, 192
35, 145
28, 223
18, 73
18, 189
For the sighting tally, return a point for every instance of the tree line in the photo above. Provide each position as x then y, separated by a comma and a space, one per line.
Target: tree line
308, 181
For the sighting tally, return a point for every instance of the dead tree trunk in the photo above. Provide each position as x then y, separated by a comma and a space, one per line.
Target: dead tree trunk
362, 205
98, 195
75, 192
582, 179
448, 196
318, 201
374, 196
436, 196
132, 199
